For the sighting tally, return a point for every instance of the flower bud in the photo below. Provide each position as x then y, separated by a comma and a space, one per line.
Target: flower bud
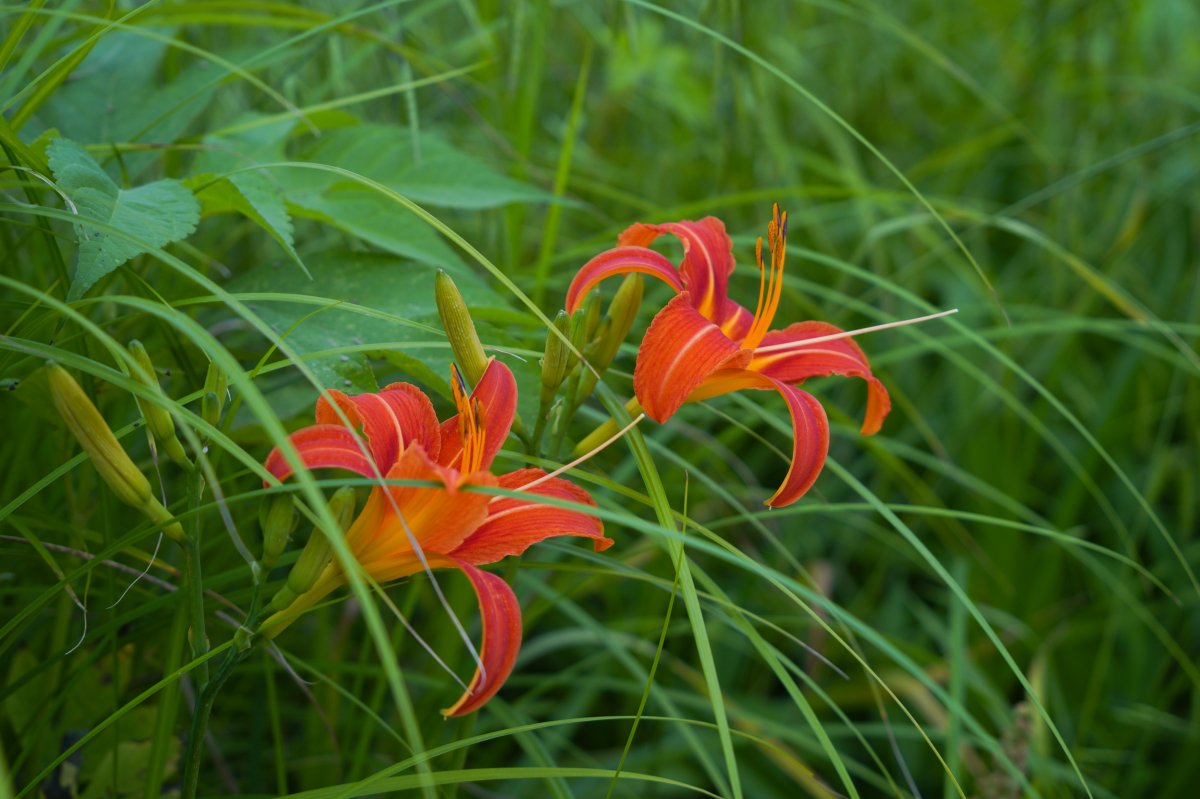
460, 328
558, 358
109, 457
622, 312
158, 419
277, 518
591, 315
216, 390
316, 553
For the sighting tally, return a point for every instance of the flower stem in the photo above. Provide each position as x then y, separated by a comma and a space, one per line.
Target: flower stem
243, 646
193, 581
606, 430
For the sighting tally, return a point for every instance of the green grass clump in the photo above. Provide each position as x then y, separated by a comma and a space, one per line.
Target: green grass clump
994, 597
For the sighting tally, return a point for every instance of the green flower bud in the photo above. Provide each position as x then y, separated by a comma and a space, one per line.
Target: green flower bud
158, 419
316, 553
277, 517
109, 457
557, 359
591, 315
622, 313
216, 390
460, 328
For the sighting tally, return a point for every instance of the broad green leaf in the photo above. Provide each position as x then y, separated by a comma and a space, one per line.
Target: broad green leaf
254, 196
430, 172
119, 94
361, 299
157, 213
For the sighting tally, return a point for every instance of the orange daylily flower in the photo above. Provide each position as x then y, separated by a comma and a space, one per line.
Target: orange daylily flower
402, 526
704, 344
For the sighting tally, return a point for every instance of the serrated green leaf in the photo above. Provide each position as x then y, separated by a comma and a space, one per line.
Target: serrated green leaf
157, 213
254, 196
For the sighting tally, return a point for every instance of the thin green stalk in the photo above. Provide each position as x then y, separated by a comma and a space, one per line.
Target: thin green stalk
193, 579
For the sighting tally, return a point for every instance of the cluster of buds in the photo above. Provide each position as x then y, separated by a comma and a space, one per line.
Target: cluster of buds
316, 554
110, 458
566, 379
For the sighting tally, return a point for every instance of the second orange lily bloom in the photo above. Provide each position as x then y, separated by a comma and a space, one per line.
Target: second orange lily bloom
703, 344
405, 529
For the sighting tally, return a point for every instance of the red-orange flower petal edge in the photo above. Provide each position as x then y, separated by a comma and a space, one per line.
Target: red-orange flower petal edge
514, 524
681, 348
501, 615
496, 399
322, 446
810, 428
837, 357
390, 418
707, 257
617, 261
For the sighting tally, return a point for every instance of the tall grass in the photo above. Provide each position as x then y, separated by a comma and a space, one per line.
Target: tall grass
994, 597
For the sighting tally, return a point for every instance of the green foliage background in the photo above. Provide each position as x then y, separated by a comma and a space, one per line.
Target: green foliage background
994, 597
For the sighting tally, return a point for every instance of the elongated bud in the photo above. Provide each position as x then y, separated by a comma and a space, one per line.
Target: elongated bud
460, 328
557, 359
591, 316
316, 553
158, 420
216, 388
109, 457
622, 313
277, 518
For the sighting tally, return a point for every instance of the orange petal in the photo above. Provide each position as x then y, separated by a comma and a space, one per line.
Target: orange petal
810, 428
438, 518
707, 258
619, 261
496, 394
391, 418
680, 349
837, 357
513, 524
501, 617
323, 446
734, 320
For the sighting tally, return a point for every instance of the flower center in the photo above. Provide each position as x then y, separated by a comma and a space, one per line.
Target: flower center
770, 285
470, 425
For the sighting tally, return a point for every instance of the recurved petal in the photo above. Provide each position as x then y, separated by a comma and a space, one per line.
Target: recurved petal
620, 260
513, 525
323, 446
496, 394
679, 350
391, 419
501, 616
707, 257
810, 428
837, 357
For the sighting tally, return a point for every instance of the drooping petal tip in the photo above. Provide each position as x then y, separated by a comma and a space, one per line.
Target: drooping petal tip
501, 616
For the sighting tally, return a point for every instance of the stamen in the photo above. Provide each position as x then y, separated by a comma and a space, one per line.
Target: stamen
582, 458
470, 425
796, 345
770, 288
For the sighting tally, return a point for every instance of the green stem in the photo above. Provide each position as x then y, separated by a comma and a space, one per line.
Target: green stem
208, 695
606, 430
193, 581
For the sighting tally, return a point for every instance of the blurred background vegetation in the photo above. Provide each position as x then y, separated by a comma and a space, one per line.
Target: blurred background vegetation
995, 597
